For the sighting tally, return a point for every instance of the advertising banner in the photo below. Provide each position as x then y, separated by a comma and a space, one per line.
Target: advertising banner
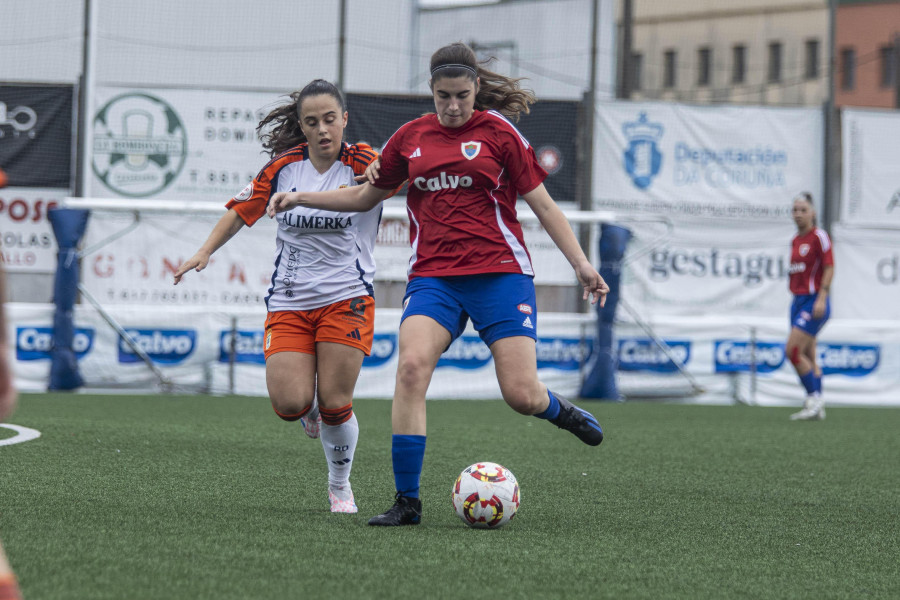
203, 144
737, 162
866, 274
176, 144
27, 243
36, 135
221, 352
870, 192
743, 360
192, 348
138, 267
710, 267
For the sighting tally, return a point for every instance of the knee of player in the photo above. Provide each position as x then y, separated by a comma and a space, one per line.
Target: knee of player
413, 370
291, 409
524, 398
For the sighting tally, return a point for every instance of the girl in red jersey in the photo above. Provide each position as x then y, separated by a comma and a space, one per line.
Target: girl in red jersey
811, 272
466, 165
320, 321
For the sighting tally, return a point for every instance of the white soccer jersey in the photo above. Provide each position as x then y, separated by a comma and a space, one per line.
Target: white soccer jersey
321, 256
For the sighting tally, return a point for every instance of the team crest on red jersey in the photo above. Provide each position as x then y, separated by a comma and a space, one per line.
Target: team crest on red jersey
471, 149
804, 249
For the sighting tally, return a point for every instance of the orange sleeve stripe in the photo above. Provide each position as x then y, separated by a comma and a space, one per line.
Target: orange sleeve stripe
253, 209
358, 157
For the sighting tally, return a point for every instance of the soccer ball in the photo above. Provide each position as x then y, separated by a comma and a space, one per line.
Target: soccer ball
486, 495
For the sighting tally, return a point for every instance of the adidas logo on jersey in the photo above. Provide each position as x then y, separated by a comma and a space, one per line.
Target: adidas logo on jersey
442, 182
354, 335
416, 153
527, 323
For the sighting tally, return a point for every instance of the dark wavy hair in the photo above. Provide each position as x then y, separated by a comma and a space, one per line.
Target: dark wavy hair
496, 91
287, 133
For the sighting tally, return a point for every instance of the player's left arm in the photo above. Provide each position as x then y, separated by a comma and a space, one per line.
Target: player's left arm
557, 226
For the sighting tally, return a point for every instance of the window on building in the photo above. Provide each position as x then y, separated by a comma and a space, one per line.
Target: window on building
848, 69
774, 62
704, 66
637, 69
669, 69
738, 64
812, 59
887, 66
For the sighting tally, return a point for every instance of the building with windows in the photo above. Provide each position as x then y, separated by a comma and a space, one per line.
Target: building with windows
733, 51
762, 51
866, 36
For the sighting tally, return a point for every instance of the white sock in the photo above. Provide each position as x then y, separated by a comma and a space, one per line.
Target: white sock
339, 444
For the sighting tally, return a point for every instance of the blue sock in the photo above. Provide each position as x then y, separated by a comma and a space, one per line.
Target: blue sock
408, 454
552, 410
817, 384
809, 382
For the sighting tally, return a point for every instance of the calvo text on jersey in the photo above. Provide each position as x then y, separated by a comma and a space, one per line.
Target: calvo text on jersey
442, 182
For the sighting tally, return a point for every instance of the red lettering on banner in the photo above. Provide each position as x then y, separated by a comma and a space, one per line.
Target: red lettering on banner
237, 272
19, 209
103, 265
18, 259
144, 267
170, 268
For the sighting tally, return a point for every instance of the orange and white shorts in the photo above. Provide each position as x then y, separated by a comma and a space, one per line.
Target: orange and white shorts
349, 322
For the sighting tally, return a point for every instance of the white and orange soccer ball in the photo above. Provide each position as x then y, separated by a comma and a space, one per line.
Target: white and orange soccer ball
486, 495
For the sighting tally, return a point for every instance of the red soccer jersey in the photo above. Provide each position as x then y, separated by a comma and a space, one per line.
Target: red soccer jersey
461, 198
809, 255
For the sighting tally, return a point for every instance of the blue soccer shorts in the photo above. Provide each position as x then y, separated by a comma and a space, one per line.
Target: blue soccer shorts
500, 305
801, 314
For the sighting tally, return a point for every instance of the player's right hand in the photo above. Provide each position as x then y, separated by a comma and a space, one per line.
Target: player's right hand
197, 262
281, 202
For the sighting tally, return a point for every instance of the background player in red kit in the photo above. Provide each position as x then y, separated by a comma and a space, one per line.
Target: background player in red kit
466, 166
812, 268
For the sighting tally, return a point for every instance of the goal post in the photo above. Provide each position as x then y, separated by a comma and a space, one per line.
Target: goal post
132, 247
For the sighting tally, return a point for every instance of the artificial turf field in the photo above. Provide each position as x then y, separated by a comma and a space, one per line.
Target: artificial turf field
133, 497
